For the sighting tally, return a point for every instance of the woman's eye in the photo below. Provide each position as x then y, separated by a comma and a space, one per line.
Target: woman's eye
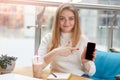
71, 18
61, 18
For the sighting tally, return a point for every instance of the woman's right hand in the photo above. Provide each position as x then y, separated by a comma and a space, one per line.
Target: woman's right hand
64, 51
60, 51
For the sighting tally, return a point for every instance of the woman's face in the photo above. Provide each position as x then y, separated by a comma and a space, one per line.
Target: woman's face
66, 21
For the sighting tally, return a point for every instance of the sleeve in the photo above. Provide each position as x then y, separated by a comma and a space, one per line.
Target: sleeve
92, 68
42, 50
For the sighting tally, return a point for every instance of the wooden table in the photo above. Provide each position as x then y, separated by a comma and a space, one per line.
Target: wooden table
27, 71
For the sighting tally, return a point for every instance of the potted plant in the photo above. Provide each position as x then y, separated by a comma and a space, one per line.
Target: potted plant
7, 63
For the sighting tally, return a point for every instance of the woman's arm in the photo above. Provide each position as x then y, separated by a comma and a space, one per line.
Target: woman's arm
60, 51
49, 57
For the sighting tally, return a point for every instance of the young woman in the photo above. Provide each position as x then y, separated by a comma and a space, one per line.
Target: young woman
65, 47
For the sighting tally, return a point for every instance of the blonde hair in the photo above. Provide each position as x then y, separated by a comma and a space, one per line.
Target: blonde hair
76, 32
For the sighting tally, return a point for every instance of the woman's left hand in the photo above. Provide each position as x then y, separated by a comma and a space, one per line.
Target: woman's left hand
83, 59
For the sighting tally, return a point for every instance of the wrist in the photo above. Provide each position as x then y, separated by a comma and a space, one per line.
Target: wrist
86, 66
54, 52
49, 56
84, 61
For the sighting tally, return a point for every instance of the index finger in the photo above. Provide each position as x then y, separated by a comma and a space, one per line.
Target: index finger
74, 48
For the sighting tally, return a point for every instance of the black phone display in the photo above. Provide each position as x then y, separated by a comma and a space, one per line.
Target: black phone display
89, 51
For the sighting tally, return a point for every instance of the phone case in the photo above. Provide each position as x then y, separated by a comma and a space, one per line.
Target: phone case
90, 50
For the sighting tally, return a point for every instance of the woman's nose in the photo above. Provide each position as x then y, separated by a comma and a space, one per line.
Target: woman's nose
67, 23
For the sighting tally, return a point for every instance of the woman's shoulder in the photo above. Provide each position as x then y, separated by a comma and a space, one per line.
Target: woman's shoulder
48, 36
84, 37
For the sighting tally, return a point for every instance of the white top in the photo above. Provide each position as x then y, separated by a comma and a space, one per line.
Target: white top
71, 63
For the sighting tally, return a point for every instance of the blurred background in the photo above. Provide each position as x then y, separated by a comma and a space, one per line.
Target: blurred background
23, 23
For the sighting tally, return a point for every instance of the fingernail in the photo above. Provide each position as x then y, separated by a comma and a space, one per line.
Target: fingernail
68, 42
77, 48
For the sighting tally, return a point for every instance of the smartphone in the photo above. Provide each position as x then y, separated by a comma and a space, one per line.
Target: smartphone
90, 49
